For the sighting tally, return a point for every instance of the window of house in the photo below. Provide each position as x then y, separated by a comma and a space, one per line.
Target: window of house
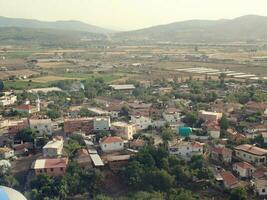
120, 144
40, 171
263, 190
45, 170
51, 169
244, 155
61, 168
187, 148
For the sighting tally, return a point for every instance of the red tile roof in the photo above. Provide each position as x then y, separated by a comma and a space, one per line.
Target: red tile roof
56, 163
171, 110
260, 172
24, 107
110, 139
197, 144
82, 152
252, 149
244, 165
229, 178
221, 150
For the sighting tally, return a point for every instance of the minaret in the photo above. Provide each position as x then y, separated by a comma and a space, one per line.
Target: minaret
38, 104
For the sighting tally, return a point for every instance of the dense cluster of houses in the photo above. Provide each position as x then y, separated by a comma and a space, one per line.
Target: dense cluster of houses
232, 165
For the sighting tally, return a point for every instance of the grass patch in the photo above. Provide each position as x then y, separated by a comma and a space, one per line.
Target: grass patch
47, 79
24, 85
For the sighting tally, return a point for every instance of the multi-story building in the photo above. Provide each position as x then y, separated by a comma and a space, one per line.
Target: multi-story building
260, 187
141, 122
244, 169
221, 154
101, 123
8, 99
172, 115
16, 126
41, 126
251, 154
85, 125
124, 130
54, 148
185, 149
210, 116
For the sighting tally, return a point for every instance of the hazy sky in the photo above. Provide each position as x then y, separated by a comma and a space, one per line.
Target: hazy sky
130, 14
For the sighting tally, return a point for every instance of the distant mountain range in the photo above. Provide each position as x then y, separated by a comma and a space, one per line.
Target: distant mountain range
245, 28
241, 29
59, 25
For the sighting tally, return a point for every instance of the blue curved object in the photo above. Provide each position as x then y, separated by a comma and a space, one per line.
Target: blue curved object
3, 194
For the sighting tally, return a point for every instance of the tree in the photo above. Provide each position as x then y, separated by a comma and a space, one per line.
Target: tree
167, 135
259, 140
134, 173
222, 81
1, 86
159, 180
147, 195
190, 119
45, 187
125, 111
239, 193
224, 123
180, 194
26, 135
196, 162
53, 114
6, 178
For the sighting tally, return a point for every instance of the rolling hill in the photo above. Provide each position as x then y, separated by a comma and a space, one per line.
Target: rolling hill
19, 35
58, 25
245, 28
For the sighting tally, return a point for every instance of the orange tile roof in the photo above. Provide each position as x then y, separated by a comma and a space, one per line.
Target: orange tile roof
110, 139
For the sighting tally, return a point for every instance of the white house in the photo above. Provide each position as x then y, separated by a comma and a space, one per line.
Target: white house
102, 123
53, 148
260, 187
4, 123
110, 144
185, 149
141, 122
251, 154
8, 99
41, 126
6, 153
124, 130
244, 169
171, 115
264, 135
